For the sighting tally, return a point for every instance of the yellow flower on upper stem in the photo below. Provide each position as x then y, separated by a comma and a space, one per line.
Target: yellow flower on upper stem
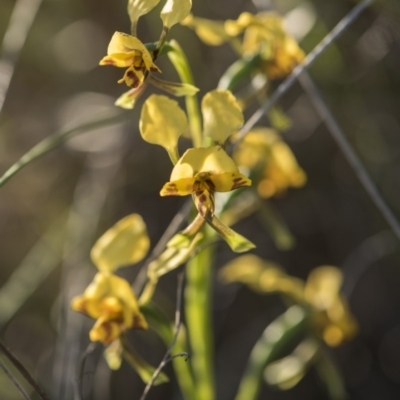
263, 34
110, 300
126, 51
202, 172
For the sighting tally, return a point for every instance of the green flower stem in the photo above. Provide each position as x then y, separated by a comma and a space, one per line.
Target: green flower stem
277, 337
161, 42
134, 28
276, 226
330, 375
181, 64
148, 292
162, 326
198, 317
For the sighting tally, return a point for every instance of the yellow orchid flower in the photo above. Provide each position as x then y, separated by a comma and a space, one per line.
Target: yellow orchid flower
202, 172
126, 51
110, 300
274, 165
330, 317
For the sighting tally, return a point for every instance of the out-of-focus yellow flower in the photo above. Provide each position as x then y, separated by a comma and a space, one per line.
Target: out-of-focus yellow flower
126, 51
110, 300
263, 34
330, 316
210, 32
271, 161
202, 172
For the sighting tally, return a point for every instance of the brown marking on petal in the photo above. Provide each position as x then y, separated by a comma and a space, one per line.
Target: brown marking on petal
238, 179
137, 322
154, 69
239, 184
210, 185
108, 62
197, 186
203, 198
136, 82
107, 331
171, 189
202, 209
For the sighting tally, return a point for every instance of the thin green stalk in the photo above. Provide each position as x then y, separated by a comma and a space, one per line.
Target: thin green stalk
181, 64
268, 348
330, 375
198, 318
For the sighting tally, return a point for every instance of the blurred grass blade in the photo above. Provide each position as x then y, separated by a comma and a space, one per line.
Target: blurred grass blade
52, 142
41, 260
331, 376
277, 337
276, 226
19, 26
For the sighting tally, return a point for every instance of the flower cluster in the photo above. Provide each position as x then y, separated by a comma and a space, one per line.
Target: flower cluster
205, 169
330, 317
127, 51
263, 35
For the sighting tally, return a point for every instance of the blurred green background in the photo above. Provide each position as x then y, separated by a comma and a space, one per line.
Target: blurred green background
54, 210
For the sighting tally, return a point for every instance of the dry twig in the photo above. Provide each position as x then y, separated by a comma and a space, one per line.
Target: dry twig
23, 371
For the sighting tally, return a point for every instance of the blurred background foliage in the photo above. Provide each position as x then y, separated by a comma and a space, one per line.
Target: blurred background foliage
53, 211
